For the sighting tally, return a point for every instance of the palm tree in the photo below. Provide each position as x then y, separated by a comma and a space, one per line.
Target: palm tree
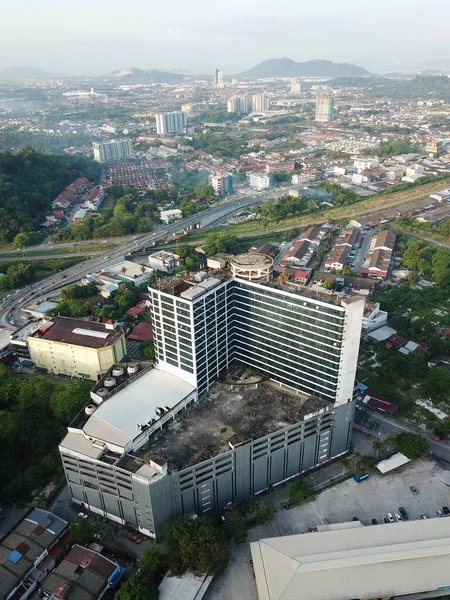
143, 268
378, 446
390, 441
109, 535
345, 462
124, 270
356, 457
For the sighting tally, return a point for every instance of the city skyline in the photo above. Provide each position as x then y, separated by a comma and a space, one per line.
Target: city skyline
196, 39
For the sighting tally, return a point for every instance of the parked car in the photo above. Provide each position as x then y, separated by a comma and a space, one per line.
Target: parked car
439, 513
135, 538
414, 490
446, 510
82, 515
398, 517
423, 517
390, 518
374, 522
403, 512
384, 520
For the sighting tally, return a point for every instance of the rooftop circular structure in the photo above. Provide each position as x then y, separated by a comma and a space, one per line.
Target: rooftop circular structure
252, 267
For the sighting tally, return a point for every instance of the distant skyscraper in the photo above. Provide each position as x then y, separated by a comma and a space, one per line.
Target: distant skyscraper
260, 103
216, 76
112, 150
220, 78
296, 86
171, 122
324, 108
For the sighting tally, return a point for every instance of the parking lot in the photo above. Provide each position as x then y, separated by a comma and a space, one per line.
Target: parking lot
370, 499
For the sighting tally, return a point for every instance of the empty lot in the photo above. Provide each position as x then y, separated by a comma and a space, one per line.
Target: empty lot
370, 499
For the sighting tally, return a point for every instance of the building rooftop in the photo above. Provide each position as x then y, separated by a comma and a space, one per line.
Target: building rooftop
79, 332
251, 260
36, 533
362, 562
227, 419
82, 575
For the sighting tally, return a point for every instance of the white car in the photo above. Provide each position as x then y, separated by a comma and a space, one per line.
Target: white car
82, 515
398, 517
390, 518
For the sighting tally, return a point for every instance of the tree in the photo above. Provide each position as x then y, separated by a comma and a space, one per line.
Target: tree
328, 284
143, 269
123, 270
378, 446
137, 588
68, 399
147, 350
196, 545
265, 513
82, 532
236, 530
411, 445
298, 492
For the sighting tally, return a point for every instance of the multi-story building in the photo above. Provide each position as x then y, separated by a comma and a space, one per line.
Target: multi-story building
113, 150
123, 458
76, 348
188, 109
164, 261
171, 122
296, 86
260, 103
221, 184
280, 167
260, 181
238, 104
324, 108
168, 216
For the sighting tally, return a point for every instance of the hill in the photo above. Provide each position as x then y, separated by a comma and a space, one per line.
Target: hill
29, 181
134, 75
25, 73
285, 67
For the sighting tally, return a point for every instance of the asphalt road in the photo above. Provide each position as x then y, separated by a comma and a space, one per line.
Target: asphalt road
10, 308
439, 450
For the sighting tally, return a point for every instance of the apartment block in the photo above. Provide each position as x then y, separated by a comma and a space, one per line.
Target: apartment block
171, 122
260, 181
112, 150
169, 440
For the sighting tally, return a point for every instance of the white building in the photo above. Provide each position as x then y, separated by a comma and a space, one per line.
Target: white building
373, 317
164, 261
296, 86
168, 216
324, 108
221, 184
260, 181
362, 164
113, 150
237, 104
188, 109
260, 103
170, 122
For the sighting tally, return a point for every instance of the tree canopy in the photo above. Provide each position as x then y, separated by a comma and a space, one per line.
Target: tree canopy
198, 545
411, 445
29, 182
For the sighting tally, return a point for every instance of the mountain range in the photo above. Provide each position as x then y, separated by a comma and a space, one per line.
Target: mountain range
25, 73
133, 75
285, 67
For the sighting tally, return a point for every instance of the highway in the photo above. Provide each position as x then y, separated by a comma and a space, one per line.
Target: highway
12, 306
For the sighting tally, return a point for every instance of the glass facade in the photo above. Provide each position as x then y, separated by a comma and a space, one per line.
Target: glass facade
294, 339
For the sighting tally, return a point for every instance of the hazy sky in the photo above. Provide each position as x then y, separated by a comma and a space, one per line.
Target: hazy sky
97, 36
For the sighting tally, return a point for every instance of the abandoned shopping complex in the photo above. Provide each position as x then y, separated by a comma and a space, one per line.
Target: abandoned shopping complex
252, 384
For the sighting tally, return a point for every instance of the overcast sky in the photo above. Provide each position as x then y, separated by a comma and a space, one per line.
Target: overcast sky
97, 36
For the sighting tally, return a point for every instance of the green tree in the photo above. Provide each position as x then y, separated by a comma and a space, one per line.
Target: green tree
197, 545
298, 492
265, 513
147, 350
236, 530
378, 446
137, 588
68, 399
411, 445
346, 463
82, 532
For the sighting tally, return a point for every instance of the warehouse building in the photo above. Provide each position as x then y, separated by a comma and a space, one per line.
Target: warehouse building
408, 560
